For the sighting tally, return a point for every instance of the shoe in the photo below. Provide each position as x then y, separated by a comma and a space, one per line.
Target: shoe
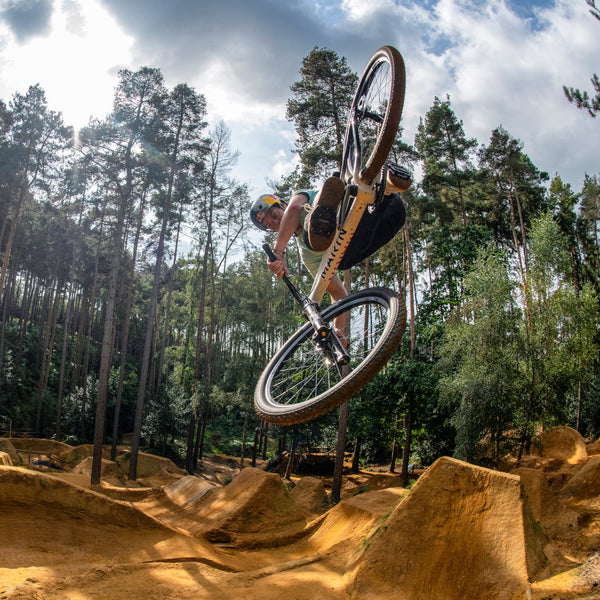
321, 222
398, 179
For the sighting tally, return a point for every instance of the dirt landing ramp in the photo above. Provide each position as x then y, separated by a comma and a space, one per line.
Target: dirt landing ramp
58, 531
458, 535
254, 510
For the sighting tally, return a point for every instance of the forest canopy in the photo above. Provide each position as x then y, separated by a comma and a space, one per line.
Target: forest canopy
133, 300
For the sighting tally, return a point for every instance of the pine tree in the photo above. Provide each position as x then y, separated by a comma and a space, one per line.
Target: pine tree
447, 156
322, 98
583, 99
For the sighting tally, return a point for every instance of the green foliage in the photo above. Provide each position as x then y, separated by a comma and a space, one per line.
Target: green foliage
504, 369
479, 353
506, 276
322, 98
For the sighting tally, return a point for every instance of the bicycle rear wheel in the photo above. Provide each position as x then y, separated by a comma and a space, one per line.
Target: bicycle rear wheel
299, 384
374, 116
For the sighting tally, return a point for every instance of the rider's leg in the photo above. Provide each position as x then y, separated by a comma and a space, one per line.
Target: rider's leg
337, 291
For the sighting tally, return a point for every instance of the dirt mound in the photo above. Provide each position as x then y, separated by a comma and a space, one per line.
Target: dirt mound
557, 520
63, 542
5, 459
458, 534
254, 509
7, 446
81, 452
187, 491
561, 442
174, 504
585, 484
593, 449
309, 494
108, 468
461, 533
34, 488
157, 470
341, 532
41, 445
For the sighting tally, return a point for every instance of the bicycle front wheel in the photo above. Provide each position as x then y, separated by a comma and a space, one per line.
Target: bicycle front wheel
300, 383
374, 116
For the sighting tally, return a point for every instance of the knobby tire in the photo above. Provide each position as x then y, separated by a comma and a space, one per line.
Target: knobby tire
374, 115
298, 385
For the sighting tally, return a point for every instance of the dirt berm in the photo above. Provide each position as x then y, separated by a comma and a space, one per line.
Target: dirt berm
461, 533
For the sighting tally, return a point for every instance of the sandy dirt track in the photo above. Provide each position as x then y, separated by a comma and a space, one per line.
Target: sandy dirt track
461, 532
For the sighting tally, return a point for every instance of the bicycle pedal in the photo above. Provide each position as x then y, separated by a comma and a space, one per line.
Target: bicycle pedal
398, 179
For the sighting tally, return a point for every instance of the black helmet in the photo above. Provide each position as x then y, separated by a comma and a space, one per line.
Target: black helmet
261, 207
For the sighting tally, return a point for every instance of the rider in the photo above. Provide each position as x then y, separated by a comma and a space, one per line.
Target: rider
311, 218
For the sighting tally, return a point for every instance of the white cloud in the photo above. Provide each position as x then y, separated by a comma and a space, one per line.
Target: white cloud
362, 12
499, 68
228, 101
503, 70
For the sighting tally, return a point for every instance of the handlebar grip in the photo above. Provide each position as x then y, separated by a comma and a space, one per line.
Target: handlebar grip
269, 252
301, 298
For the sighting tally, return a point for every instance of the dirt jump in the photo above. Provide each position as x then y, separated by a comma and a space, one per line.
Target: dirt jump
461, 532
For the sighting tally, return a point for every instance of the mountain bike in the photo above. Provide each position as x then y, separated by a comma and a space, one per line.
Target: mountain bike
315, 371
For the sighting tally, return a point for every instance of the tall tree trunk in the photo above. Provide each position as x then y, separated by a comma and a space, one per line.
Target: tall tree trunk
145, 366
46, 352
356, 455
257, 428
11, 237
199, 335
165, 331
106, 355
340, 448
394, 456
290, 465
411, 295
243, 448
63, 360
126, 327
406, 453
90, 315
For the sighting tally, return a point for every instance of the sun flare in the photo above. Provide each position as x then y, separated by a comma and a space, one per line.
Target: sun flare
76, 63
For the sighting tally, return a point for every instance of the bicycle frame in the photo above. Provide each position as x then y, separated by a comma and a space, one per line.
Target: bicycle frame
365, 195
333, 257
330, 359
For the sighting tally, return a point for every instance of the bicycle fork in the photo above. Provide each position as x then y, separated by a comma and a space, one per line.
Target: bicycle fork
324, 335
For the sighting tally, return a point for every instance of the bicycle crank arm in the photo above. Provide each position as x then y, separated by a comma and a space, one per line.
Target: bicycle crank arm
340, 354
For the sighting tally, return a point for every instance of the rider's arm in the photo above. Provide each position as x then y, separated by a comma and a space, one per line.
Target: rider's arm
291, 222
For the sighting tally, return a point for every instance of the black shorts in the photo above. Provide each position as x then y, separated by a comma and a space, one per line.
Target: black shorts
375, 229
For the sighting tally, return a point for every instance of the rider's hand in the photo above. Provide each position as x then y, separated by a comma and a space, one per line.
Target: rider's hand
278, 267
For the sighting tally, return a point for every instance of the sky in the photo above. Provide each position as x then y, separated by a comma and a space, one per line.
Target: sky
502, 62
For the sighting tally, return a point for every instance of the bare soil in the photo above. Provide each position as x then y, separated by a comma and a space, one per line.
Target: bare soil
460, 532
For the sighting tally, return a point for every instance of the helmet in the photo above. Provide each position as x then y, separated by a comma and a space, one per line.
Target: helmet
261, 207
